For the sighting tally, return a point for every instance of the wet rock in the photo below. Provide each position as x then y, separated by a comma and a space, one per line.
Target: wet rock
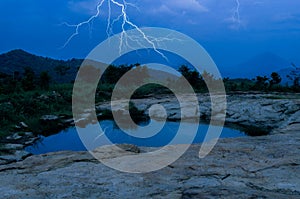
15, 136
13, 146
20, 137
53, 96
23, 125
29, 134
30, 141
68, 121
49, 118
43, 97
18, 128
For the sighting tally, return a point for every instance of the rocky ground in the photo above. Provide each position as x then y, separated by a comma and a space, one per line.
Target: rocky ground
248, 167
260, 111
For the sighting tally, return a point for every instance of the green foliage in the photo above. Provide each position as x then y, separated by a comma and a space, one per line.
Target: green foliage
29, 106
15, 61
28, 83
261, 83
9, 84
150, 90
194, 78
62, 70
45, 80
27, 97
276, 79
113, 73
136, 115
104, 92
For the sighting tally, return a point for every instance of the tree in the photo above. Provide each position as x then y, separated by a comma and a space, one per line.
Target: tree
184, 70
276, 79
45, 80
113, 73
261, 83
7, 84
62, 70
28, 79
193, 77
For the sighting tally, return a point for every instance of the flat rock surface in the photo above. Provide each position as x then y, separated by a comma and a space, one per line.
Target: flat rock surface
247, 167
250, 167
264, 111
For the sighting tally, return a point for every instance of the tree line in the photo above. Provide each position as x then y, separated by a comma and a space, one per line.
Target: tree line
29, 81
27, 96
260, 83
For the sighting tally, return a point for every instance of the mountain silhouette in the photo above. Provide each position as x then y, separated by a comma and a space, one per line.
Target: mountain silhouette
16, 60
260, 65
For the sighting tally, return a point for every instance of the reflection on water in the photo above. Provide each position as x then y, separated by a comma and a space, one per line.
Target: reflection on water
69, 139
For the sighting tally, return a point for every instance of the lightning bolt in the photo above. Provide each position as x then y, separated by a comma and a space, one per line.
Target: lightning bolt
87, 22
237, 11
236, 18
125, 21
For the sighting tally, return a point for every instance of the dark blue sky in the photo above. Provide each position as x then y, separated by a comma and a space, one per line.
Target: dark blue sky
261, 26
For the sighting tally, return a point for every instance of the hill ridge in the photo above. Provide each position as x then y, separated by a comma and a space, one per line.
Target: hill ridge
16, 60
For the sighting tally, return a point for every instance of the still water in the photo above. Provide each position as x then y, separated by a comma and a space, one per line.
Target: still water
70, 140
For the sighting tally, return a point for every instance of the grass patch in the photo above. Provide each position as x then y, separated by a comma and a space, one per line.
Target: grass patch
29, 106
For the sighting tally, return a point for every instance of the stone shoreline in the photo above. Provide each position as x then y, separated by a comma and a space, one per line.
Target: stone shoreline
249, 167
250, 110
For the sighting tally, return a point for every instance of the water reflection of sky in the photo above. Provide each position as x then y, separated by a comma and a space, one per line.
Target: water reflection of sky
70, 140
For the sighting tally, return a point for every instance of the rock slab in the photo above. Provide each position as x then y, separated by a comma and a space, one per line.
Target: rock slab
257, 167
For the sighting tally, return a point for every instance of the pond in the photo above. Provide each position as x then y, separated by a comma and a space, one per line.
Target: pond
69, 138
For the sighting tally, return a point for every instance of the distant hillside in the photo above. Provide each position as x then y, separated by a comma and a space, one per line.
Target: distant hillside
263, 64
17, 60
